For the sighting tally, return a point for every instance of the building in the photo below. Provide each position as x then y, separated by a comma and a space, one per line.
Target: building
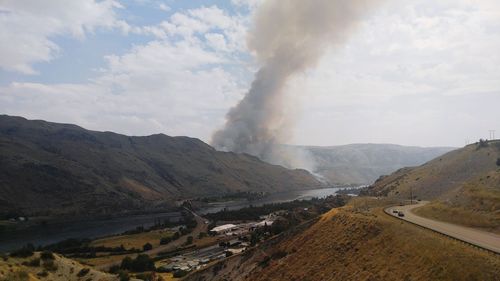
222, 229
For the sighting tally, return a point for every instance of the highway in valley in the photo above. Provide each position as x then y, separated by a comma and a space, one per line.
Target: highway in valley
482, 239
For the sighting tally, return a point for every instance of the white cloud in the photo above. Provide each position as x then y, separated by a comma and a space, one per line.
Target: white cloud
26, 28
415, 73
418, 72
175, 84
164, 7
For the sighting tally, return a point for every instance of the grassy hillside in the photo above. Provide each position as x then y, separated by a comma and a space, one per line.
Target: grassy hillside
464, 186
49, 168
60, 269
360, 164
359, 242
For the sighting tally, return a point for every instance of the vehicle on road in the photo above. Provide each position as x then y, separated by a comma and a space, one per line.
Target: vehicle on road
395, 211
401, 214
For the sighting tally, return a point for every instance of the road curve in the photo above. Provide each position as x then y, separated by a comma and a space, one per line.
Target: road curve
483, 239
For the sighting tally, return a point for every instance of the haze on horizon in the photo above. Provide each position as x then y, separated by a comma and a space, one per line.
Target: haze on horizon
415, 72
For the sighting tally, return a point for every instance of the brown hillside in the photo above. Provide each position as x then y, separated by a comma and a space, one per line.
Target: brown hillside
441, 175
60, 269
464, 186
352, 243
50, 168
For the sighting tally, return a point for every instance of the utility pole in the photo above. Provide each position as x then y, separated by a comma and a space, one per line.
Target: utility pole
411, 196
492, 134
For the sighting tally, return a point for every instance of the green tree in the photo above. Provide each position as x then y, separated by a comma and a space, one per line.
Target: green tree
165, 240
147, 247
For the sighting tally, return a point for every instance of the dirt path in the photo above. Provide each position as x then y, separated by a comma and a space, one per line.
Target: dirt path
483, 239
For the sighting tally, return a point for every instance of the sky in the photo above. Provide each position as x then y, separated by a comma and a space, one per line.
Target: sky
414, 72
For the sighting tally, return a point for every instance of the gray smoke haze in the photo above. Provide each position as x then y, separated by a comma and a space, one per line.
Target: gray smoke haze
288, 37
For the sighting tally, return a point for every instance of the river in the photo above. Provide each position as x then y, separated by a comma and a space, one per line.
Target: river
54, 232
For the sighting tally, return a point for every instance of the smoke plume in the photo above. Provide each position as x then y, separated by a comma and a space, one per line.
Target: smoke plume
288, 37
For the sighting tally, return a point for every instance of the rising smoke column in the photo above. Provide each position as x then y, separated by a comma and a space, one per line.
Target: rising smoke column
288, 37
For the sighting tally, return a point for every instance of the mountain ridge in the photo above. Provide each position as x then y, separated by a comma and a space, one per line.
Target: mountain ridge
52, 168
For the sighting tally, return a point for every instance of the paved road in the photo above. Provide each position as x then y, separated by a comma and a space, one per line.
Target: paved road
483, 239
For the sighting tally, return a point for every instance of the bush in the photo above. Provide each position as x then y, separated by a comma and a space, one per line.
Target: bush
189, 240
180, 273
139, 264
114, 269
165, 240
147, 247
47, 255
49, 265
33, 263
83, 272
16, 276
145, 276
202, 234
123, 275
42, 274
24, 252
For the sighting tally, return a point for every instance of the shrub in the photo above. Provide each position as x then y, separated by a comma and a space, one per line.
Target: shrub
147, 247
139, 264
265, 261
33, 263
165, 240
24, 252
16, 276
83, 272
189, 240
42, 273
49, 265
202, 234
123, 275
180, 273
114, 269
145, 276
47, 255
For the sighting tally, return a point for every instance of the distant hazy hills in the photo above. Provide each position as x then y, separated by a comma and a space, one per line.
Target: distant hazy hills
360, 164
50, 168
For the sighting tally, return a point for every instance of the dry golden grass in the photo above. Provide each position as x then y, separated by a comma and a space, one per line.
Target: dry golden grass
103, 260
133, 240
354, 243
475, 204
355, 246
65, 270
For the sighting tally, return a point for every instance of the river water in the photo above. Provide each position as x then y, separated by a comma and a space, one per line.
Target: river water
54, 232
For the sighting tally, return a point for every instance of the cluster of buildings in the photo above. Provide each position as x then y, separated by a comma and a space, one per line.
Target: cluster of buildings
244, 228
199, 258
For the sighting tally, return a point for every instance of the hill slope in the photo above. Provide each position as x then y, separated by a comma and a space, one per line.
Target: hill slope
360, 164
48, 168
353, 243
464, 185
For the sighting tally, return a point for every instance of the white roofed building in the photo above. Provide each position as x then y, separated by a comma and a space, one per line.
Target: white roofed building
223, 228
